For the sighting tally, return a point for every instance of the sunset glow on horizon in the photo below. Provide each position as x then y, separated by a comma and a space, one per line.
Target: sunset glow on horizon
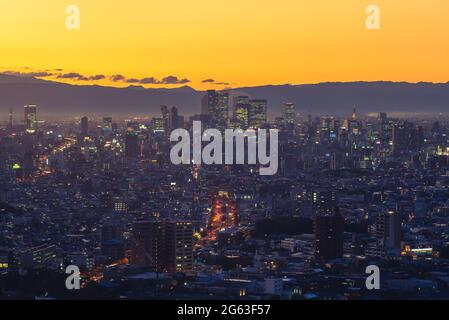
232, 43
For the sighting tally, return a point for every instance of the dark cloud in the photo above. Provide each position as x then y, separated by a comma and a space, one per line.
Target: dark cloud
54, 70
49, 73
97, 77
36, 74
132, 80
215, 82
117, 78
149, 80
174, 80
153, 80
80, 77
73, 76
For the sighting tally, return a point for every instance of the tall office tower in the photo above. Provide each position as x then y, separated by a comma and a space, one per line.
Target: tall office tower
404, 138
164, 246
180, 250
258, 113
388, 232
84, 126
354, 124
289, 114
165, 114
329, 230
240, 100
397, 138
209, 101
419, 135
385, 126
324, 202
240, 119
173, 120
216, 105
30, 120
131, 144
149, 247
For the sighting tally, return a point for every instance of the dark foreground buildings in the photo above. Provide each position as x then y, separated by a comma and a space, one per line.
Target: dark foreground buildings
164, 246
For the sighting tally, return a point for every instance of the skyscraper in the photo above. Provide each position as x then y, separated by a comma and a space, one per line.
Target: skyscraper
30, 119
329, 236
164, 246
324, 202
329, 226
164, 111
257, 113
165, 114
289, 114
216, 105
131, 145
84, 126
388, 232
404, 137
180, 246
174, 120
241, 100
208, 102
240, 119
149, 246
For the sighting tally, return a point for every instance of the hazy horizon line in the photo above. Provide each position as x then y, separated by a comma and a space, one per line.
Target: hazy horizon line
188, 85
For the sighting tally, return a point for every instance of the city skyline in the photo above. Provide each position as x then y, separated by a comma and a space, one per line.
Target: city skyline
230, 152
352, 194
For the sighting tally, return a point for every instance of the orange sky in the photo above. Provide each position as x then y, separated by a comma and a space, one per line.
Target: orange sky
238, 42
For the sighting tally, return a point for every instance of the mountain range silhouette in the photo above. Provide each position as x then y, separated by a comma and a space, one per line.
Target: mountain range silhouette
336, 98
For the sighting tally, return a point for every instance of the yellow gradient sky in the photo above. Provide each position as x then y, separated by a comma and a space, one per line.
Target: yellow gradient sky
240, 42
